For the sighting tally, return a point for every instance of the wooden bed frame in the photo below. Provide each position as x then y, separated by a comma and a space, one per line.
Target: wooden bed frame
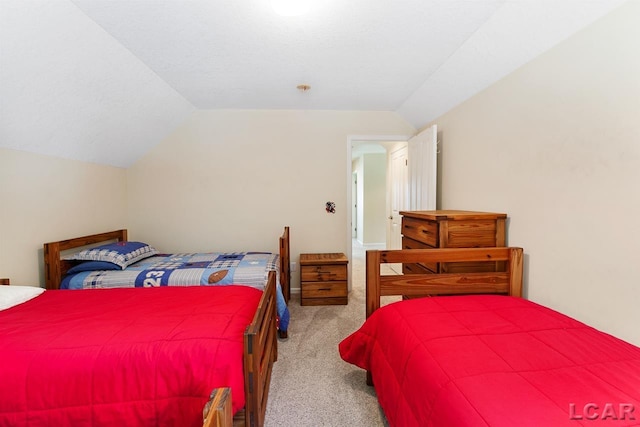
260, 352
508, 281
55, 268
260, 337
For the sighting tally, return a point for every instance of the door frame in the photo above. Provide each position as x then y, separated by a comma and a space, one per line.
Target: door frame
350, 140
354, 210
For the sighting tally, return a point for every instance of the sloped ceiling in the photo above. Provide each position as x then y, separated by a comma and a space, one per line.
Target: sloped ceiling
105, 80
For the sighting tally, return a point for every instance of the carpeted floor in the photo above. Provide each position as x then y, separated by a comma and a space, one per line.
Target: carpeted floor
311, 385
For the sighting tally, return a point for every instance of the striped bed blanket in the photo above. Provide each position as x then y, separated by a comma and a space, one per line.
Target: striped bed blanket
188, 269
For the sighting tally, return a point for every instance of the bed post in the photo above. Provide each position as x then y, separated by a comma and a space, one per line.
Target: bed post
218, 410
285, 264
52, 273
373, 281
372, 289
515, 272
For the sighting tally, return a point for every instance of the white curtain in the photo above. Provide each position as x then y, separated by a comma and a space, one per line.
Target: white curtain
422, 159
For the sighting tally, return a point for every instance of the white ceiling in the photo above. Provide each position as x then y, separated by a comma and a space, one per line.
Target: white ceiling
106, 80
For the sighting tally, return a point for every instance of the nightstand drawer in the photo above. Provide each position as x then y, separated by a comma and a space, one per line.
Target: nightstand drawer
322, 273
324, 289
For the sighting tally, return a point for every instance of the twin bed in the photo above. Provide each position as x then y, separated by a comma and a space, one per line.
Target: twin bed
63, 271
490, 358
139, 357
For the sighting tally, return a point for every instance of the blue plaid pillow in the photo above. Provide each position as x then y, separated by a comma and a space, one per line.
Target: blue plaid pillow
122, 254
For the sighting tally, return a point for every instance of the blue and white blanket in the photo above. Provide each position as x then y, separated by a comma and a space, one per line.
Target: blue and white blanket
187, 269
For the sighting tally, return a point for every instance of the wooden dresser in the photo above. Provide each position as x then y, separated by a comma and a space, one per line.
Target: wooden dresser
451, 229
323, 279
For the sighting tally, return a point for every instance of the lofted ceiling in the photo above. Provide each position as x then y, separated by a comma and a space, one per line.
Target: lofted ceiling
105, 80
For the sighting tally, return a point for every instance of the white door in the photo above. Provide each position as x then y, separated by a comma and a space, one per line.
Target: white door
399, 178
423, 164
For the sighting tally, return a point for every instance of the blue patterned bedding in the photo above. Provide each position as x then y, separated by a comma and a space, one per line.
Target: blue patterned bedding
185, 269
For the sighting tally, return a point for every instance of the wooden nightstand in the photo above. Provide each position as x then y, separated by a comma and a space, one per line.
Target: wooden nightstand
323, 279
4, 282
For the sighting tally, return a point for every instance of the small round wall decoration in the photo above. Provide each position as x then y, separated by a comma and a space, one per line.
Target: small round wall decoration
330, 207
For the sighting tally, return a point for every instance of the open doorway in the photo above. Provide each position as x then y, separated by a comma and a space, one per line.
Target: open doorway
416, 170
368, 163
370, 197
369, 200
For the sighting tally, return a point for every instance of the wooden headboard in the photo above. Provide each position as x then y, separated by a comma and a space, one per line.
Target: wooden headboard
55, 268
508, 281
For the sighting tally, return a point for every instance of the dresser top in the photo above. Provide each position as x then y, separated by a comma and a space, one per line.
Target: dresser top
326, 258
439, 215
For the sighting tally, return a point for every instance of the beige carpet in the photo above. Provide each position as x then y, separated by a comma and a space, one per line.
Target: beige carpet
311, 385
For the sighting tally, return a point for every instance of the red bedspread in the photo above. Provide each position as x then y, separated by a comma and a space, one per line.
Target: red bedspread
122, 357
497, 361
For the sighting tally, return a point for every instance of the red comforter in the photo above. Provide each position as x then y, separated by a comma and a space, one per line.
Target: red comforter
122, 357
494, 361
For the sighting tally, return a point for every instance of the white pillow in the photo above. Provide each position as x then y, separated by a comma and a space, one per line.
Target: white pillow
14, 295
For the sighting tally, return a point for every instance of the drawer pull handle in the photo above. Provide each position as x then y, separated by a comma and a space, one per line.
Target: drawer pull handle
324, 289
324, 272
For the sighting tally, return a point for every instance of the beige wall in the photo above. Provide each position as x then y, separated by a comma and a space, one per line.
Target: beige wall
556, 145
375, 198
46, 199
233, 178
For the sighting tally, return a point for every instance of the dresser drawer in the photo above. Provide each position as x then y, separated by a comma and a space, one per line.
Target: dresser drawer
469, 267
322, 273
324, 289
421, 231
471, 234
413, 244
417, 269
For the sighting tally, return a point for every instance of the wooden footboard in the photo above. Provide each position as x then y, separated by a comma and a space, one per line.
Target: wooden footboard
508, 282
260, 352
